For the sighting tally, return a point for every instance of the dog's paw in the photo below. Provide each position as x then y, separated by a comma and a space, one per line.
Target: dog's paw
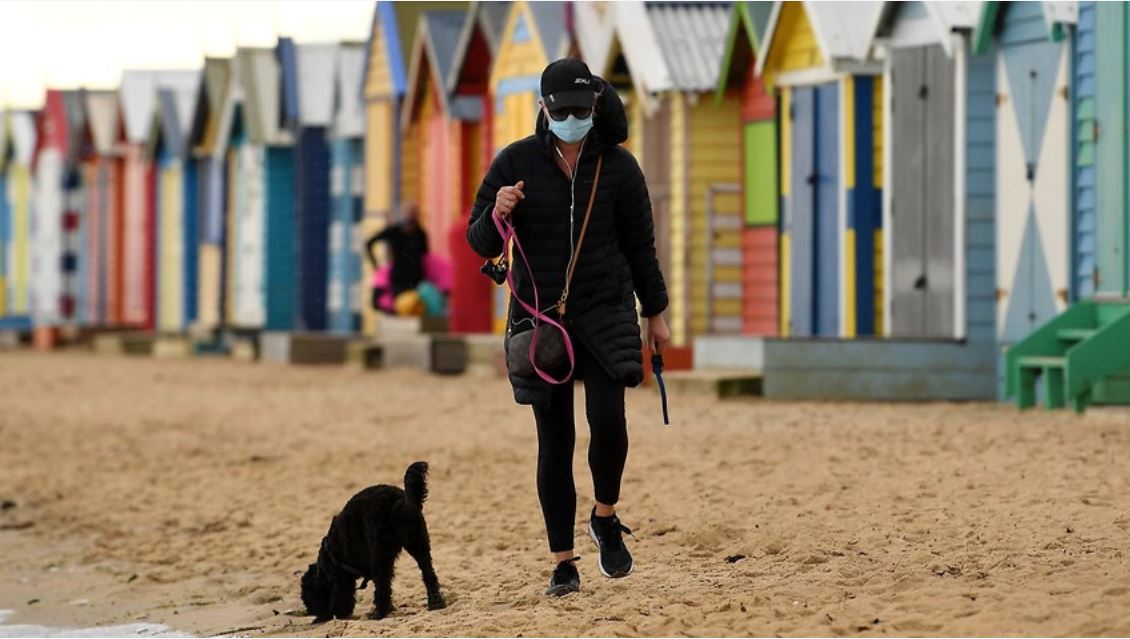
436, 603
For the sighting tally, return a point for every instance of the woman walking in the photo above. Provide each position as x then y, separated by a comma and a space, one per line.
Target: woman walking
594, 231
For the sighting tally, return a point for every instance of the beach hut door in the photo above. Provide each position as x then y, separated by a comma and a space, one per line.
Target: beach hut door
922, 201
812, 214
1032, 168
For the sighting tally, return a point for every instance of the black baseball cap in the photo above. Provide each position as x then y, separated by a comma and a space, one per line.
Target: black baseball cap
567, 83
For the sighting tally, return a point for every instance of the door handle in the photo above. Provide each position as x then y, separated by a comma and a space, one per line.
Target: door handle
920, 283
811, 179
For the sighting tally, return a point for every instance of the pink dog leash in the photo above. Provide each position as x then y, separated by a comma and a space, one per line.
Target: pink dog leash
506, 230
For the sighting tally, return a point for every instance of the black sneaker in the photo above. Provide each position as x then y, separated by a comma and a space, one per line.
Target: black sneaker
607, 532
565, 579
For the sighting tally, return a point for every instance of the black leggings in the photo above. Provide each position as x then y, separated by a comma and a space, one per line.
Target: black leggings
608, 448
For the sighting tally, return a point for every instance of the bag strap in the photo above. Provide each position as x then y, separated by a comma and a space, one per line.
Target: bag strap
580, 240
506, 230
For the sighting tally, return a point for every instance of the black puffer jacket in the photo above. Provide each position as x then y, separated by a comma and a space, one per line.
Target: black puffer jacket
617, 260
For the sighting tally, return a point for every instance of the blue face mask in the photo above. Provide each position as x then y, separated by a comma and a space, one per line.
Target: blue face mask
571, 130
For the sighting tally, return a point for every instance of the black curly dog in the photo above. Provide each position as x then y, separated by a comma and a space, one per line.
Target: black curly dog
364, 541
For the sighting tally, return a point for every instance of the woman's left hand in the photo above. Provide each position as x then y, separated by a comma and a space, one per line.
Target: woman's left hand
657, 334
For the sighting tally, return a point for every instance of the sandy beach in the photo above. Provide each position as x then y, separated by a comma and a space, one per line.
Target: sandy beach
193, 493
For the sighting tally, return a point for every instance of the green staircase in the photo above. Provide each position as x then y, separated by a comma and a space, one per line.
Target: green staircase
1081, 357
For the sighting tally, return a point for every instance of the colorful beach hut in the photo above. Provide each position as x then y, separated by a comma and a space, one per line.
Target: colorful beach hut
426, 119
308, 99
102, 177
386, 70
760, 199
256, 152
1031, 42
671, 55
344, 292
938, 187
816, 56
76, 226
211, 181
17, 149
176, 208
471, 106
138, 100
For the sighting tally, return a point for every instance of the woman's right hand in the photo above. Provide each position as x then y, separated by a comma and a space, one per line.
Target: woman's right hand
508, 198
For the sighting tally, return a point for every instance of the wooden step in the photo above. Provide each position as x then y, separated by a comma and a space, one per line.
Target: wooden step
1075, 334
302, 348
1035, 361
719, 383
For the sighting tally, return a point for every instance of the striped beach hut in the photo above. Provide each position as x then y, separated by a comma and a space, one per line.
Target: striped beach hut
211, 181
760, 199
76, 226
344, 293
938, 187
1031, 43
48, 306
471, 106
176, 208
102, 175
17, 149
138, 101
816, 55
256, 152
671, 55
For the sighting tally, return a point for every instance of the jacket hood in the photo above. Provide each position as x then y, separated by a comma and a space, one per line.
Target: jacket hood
610, 126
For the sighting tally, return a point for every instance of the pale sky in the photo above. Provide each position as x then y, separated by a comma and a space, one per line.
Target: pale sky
72, 43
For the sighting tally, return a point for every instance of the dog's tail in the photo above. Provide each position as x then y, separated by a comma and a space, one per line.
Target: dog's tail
416, 482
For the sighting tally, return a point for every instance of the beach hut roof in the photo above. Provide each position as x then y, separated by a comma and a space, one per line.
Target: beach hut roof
843, 30
260, 81
398, 20
51, 124
595, 30
308, 82
748, 20
315, 76
931, 23
672, 45
74, 102
5, 139
1056, 15
21, 128
552, 24
349, 118
488, 19
138, 95
173, 120
209, 103
434, 46
103, 120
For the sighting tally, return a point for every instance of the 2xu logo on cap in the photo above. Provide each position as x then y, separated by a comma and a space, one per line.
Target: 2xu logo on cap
581, 81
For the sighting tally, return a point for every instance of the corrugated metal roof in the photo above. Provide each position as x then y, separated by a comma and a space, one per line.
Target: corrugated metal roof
640, 46
443, 29
172, 127
349, 116
103, 116
139, 97
315, 83
75, 105
692, 37
550, 21
488, 18
4, 139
